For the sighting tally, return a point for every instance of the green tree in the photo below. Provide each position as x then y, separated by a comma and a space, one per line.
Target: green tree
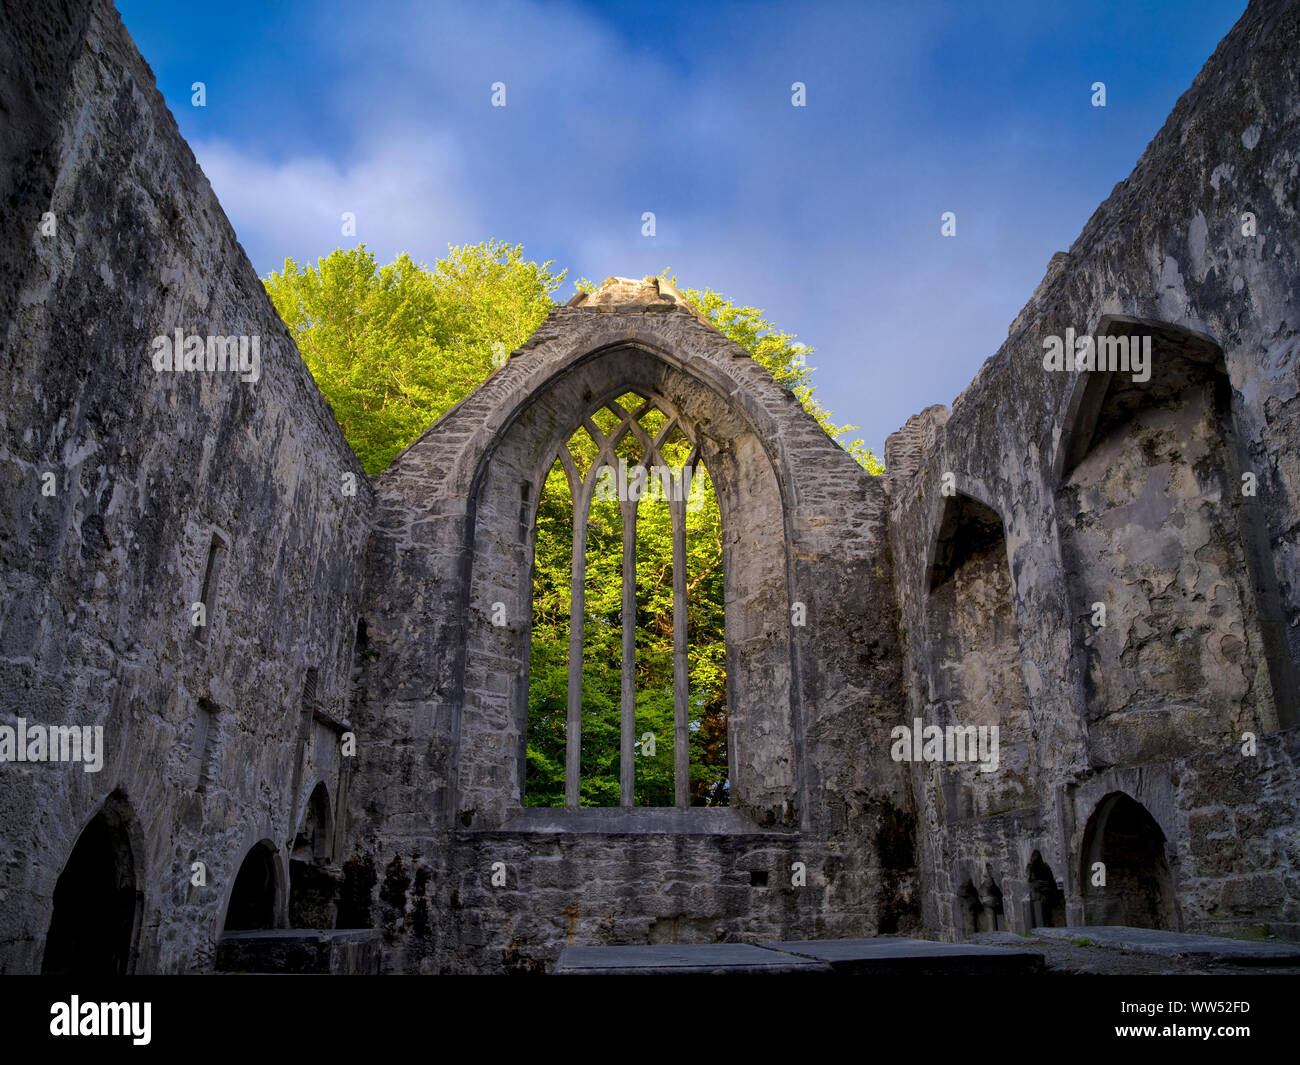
603, 628
778, 352
393, 348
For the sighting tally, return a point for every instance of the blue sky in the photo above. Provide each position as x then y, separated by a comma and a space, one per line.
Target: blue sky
826, 216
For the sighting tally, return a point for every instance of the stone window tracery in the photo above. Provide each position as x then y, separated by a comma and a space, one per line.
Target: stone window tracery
624, 457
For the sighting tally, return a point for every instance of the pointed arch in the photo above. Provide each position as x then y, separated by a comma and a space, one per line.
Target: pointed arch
976, 679
1102, 399
631, 476
95, 926
257, 890
1125, 871
966, 527
314, 880
761, 671
1168, 565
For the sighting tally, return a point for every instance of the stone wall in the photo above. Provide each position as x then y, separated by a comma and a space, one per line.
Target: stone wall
446, 690
201, 727
1130, 494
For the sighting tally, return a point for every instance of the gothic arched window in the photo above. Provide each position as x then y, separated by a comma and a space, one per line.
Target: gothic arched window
627, 707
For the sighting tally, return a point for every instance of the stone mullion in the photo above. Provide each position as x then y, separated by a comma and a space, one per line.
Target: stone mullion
681, 659
627, 766
681, 666
627, 763
577, 631
577, 626
681, 662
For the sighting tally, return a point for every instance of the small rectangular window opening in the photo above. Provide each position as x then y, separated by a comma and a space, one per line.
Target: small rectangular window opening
211, 580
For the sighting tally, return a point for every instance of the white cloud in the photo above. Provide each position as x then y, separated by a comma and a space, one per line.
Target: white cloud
405, 193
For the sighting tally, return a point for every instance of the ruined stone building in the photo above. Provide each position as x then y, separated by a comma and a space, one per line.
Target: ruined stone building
1102, 563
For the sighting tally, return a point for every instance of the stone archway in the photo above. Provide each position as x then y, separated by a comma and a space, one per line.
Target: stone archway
1123, 842
971, 620
96, 901
254, 898
313, 880
760, 673
1166, 557
809, 636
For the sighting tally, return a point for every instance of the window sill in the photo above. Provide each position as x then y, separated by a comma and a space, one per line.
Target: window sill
639, 820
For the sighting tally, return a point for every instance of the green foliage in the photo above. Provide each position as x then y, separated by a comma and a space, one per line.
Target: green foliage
393, 348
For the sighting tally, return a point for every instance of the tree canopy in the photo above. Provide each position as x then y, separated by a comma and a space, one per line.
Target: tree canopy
395, 347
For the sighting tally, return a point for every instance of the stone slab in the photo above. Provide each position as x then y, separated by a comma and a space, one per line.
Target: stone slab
639, 820
1181, 944
887, 955
682, 958
336, 951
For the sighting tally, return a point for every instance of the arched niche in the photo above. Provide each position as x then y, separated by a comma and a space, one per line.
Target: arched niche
974, 677
1125, 873
313, 880
95, 926
1177, 617
255, 897
761, 711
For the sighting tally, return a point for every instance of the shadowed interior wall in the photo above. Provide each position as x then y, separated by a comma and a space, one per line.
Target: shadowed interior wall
1149, 531
150, 470
975, 680
1184, 700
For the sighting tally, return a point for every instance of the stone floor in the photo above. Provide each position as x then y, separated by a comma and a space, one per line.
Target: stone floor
879, 956
1106, 950
1114, 950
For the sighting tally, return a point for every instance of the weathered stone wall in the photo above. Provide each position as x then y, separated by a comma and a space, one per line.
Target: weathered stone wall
447, 689
1239, 854
958, 589
99, 576
659, 883
1148, 526
974, 679
1199, 578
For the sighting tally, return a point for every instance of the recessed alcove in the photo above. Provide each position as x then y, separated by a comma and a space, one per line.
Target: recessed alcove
974, 679
1176, 611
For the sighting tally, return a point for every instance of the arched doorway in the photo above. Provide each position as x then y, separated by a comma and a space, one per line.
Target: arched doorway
1046, 899
96, 903
1138, 888
253, 898
313, 882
